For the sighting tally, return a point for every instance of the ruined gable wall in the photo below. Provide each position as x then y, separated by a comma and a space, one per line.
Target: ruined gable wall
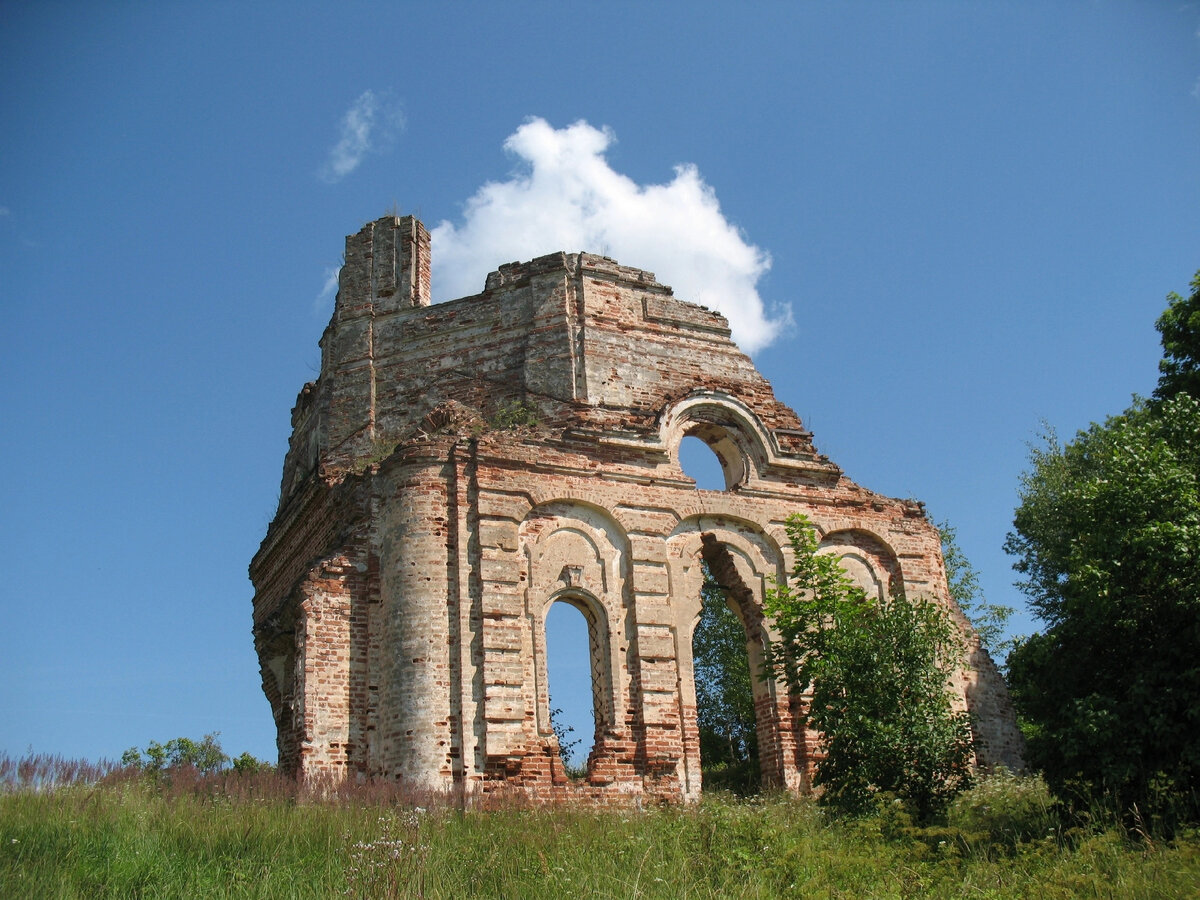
417, 604
558, 332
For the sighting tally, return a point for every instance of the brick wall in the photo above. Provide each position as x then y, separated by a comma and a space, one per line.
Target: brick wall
402, 589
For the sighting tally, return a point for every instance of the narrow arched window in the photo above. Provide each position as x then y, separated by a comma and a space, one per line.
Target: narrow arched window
575, 684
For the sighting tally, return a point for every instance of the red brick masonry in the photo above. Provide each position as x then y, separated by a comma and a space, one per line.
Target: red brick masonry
456, 469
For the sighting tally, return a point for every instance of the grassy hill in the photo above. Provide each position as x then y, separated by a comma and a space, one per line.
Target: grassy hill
181, 835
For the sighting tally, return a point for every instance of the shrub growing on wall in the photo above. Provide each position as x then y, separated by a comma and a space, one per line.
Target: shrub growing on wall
876, 675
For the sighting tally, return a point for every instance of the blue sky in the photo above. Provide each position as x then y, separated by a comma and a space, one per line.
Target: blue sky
972, 214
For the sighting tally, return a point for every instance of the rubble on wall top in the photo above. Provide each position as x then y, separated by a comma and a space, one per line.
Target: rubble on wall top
591, 264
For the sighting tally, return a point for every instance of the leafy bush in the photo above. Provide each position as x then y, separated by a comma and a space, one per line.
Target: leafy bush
251, 765
1004, 810
1108, 538
878, 677
514, 414
566, 743
205, 757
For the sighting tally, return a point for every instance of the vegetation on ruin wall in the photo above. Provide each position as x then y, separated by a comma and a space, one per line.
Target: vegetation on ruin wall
877, 675
231, 835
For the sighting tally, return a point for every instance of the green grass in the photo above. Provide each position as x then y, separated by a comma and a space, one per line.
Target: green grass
225, 837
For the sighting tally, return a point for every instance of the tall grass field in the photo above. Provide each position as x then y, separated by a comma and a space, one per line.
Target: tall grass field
91, 832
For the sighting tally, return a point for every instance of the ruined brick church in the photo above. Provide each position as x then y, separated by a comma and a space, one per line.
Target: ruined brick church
458, 468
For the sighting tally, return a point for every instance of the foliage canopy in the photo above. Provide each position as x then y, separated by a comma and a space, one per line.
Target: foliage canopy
724, 694
1179, 327
877, 674
205, 756
1107, 536
990, 620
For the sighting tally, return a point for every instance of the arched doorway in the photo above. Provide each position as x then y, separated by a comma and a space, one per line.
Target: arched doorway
733, 564
726, 715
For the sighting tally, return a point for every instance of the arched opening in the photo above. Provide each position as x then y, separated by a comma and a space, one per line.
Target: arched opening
870, 563
700, 463
730, 429
574, 688
726, 711
741, 557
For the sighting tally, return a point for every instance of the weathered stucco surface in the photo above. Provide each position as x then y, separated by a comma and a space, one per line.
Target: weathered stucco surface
456, 469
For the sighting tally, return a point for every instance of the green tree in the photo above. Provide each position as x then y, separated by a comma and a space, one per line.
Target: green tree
248, 764
1107, 535
205, 755
724, 694
877, 674
990, 620
1179, 327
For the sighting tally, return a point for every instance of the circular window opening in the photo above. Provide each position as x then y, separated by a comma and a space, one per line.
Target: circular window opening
700, 463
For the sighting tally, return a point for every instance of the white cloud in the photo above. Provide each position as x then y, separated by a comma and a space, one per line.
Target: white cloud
324, 300
567, 197
370, 125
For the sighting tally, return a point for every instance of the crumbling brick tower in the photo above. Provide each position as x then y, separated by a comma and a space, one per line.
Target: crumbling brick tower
456, 469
